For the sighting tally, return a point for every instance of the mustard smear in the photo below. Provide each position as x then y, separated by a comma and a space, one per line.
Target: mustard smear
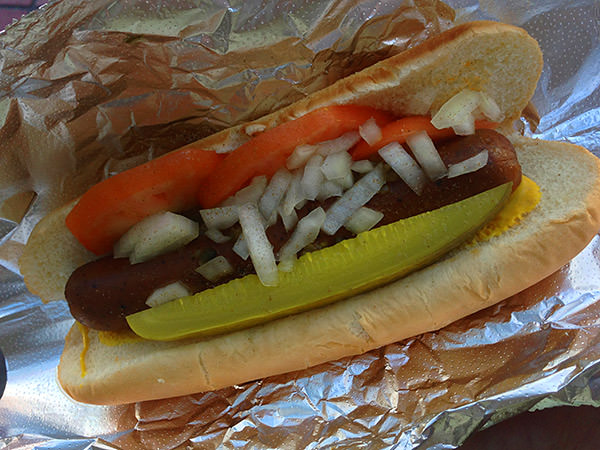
522, 201
114, 338
86, 345
110, 338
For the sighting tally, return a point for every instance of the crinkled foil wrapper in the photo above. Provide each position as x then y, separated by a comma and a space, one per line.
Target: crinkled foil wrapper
91, 88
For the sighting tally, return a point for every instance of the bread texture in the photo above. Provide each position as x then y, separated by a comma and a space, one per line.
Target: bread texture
500, 60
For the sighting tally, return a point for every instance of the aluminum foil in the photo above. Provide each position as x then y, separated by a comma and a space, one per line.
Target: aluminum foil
134, 79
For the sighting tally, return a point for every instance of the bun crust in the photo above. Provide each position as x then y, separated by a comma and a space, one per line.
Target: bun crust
498, 59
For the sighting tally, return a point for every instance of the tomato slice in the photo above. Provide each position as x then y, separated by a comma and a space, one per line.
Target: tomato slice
267, 152
111, 207
398, 131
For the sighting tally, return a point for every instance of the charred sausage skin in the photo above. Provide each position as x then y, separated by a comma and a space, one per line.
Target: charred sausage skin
103, 292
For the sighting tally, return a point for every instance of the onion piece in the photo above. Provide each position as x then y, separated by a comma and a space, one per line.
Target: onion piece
301, 204
305, 233
220, 218
330, 189
427, 155
167, 293
490, 109
261, 250
216, 235
355, 197
241, 248
300, 156
249, 194
342, 144
289, 220
370, 131
125, 245
274, 193
362, 166
337, 166
403, 164
312, 177
160, 233
469, 165
466, 127
294, 194
363, 220
347, 182
458, 111
254, 129
215, 269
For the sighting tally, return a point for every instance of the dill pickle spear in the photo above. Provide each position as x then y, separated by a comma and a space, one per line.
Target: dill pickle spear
352, 266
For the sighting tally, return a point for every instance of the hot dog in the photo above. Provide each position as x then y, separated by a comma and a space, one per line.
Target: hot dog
103, 292
457, 285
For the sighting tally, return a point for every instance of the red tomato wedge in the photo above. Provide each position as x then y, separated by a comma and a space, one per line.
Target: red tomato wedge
267, 152
398, 131
111, 207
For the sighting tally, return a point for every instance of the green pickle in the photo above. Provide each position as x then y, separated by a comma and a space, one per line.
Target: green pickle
352, 266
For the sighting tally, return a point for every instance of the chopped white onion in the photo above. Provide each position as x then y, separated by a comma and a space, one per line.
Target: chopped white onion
261, 250
403, 164
300, 156
287, 265
427, 155
305, 233
461, 110
355, 197
337, 166
471, 164
272, 220
347, 181
466, 127
457, 109
370, 131
312, 177
249, 194
362, 166
330, 189
294, 194
255, 128
219, 218
158, 234
216, 235
363, 220
274, 193
490, 109
125, 245
289, 220
215, 269
342, 144
241, 248
300, 204
167, 293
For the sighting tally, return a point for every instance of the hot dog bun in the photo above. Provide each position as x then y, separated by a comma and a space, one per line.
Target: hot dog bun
466, 281
498, 59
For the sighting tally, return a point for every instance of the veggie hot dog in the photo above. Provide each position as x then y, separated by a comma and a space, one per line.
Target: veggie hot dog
461, 284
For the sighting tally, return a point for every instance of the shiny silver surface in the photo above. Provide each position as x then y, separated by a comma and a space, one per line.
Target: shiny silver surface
127, 76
